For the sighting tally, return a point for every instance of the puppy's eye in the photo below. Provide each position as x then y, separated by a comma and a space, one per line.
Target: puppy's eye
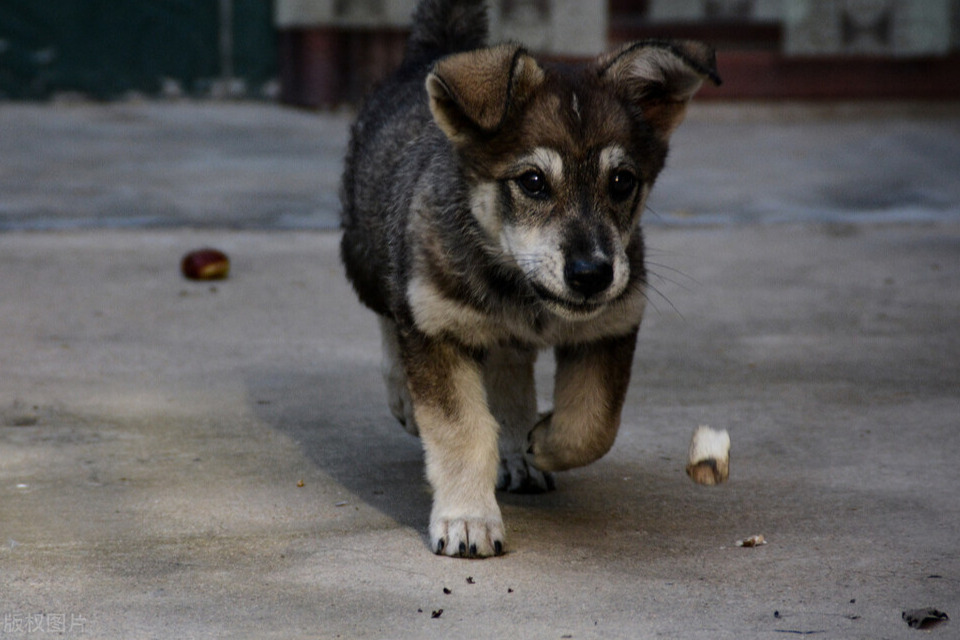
533, 183
622, 184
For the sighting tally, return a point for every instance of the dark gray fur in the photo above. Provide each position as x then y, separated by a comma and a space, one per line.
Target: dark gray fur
397, 148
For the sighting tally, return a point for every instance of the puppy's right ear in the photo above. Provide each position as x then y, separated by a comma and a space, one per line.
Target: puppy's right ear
475, 91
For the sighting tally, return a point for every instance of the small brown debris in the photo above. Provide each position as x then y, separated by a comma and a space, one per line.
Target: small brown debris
205, 264
447, 591
924, 618
470, 580
437, 613
752, 541
300, 483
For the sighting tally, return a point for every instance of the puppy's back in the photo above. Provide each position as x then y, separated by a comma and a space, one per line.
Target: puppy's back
391, 143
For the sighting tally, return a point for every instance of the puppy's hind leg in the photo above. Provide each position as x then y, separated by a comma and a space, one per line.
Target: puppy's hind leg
512, 397
394, 377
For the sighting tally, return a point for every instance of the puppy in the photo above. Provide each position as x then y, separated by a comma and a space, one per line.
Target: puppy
491, 208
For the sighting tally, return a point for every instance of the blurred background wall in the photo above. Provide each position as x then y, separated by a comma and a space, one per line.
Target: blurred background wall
319, 53
109, 48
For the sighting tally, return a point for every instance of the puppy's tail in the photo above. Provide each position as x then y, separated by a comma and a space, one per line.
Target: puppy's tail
441, 27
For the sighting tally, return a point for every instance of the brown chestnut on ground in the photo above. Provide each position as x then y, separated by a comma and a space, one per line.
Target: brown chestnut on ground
205, 264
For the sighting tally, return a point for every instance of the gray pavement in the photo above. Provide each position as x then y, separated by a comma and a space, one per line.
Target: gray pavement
183, 460
255, 166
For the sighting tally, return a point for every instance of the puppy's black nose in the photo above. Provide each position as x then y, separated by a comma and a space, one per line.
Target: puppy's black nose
588, 277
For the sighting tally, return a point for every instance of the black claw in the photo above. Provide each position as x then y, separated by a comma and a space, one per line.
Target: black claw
473, 549
498, 547
463, 548
440, 545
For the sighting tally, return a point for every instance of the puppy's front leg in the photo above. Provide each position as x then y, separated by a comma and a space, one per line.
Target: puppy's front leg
590, 386
460, 442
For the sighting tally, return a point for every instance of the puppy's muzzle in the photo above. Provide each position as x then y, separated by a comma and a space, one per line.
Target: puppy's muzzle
588, 277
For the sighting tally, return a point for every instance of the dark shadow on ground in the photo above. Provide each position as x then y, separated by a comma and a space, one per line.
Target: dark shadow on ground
349, 434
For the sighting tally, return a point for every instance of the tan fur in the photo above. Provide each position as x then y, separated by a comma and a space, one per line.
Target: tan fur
462, 458
438, 315
588, 395
483, 203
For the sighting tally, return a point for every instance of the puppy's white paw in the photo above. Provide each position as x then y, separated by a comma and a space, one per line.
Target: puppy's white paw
516, 475
467, 537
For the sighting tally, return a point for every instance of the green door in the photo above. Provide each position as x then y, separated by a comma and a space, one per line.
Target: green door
107, 48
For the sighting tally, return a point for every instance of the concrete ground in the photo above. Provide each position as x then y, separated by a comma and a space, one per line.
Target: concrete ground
184, 460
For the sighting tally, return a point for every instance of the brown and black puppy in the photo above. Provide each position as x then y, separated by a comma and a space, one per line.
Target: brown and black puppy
491, 208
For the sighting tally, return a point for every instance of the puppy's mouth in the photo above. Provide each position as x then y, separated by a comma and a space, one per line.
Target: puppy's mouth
577, 309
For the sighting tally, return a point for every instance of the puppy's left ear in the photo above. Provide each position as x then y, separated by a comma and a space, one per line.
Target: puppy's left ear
660, 76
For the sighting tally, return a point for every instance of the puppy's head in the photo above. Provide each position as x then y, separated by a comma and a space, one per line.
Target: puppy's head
560, 159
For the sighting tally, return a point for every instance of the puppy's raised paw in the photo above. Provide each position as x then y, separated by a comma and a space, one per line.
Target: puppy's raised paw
516, 475
467, 537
